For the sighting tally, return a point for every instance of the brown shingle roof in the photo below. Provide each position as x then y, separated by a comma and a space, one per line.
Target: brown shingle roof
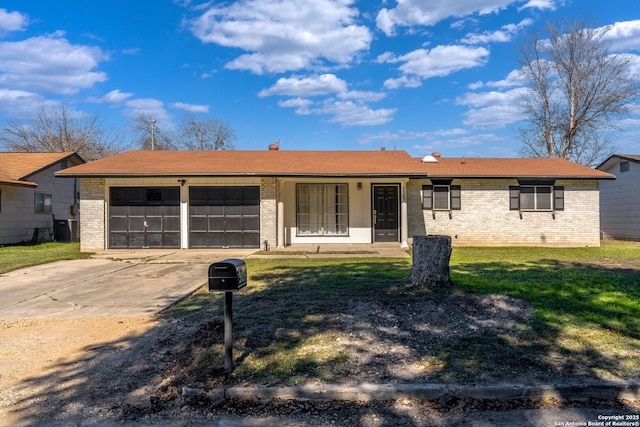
321, 163
16, 168
261, 163
511, 168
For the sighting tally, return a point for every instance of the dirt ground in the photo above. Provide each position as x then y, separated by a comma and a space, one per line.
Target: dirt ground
132, 369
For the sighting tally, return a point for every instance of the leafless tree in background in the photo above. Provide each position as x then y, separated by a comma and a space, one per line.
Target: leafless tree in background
578, 90
208, 134
192, 134
151, 136
57, 129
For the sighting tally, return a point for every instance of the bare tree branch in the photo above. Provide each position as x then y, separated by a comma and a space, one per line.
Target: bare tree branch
58, 130
578, 89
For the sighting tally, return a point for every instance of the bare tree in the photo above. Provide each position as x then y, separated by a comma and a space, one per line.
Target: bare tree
577, 90
208, 134
151, 136
58, 130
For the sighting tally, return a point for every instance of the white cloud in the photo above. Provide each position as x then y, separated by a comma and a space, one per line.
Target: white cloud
409, 135
493, 108
323, 84
429, 12
349, 113
113, 97
12, 21
192, 108
540, 4
149, 107
440, 61
514, 79
301, 105
20, 103
365, 96
50, 64
284, 35
624, 35
403, 81
500, 36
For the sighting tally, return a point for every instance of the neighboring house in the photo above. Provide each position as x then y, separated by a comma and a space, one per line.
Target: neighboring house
32, 200
273, 198
620, 199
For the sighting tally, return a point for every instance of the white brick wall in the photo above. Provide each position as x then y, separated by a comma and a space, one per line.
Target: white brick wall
268, 211
485, 218
92, 214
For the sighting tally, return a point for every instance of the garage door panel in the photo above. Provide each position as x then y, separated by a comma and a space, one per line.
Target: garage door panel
118, 240
216, 224
141, 217
136, 223
136, 211
228, 212
119, 224
251, 210
199, 224
171, 224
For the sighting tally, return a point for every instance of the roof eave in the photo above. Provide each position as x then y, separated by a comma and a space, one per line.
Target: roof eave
61, 174
520, 176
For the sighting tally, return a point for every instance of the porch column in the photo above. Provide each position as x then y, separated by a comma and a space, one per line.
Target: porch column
404, 223
280, 243
184, 217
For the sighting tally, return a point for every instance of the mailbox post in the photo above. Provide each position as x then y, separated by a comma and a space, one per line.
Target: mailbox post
228, 276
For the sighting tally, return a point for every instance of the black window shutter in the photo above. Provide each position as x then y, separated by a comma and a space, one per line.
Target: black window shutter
514, 198
558, 198
427, 197
455, 197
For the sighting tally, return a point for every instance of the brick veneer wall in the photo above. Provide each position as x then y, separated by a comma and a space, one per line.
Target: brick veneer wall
92, 227
485, 218
268, 211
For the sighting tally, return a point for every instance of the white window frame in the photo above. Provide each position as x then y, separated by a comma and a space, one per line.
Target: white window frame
45, 205
535, 193
327, 215
448, 198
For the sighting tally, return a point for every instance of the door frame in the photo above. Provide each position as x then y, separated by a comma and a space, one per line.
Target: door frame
398, 188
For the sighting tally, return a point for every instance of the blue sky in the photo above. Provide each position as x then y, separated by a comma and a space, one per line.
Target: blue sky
415, 75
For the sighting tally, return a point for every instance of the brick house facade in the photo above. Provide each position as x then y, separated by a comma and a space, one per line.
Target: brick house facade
257, 199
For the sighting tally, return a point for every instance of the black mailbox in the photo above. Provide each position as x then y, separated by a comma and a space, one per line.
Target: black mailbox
228, 275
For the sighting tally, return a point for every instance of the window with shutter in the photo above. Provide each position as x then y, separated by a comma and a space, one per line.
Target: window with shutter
441, 197
544, 198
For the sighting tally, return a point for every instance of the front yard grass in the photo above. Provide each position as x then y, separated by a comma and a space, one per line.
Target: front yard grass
13, 257
513, 314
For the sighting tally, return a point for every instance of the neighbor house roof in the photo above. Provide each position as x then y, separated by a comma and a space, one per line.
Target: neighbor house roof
17, 168
616, 158
321, 163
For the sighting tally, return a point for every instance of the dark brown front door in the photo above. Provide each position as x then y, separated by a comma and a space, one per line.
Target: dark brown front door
385, 213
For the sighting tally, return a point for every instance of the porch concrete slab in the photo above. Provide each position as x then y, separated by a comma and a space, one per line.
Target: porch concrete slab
335, 250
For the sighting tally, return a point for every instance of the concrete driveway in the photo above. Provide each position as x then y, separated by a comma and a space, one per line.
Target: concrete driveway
112, 283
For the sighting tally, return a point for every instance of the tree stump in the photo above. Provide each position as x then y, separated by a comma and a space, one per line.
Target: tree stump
431, 255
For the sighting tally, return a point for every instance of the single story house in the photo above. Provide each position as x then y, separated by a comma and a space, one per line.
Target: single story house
276, 198
620, 199
34, 204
